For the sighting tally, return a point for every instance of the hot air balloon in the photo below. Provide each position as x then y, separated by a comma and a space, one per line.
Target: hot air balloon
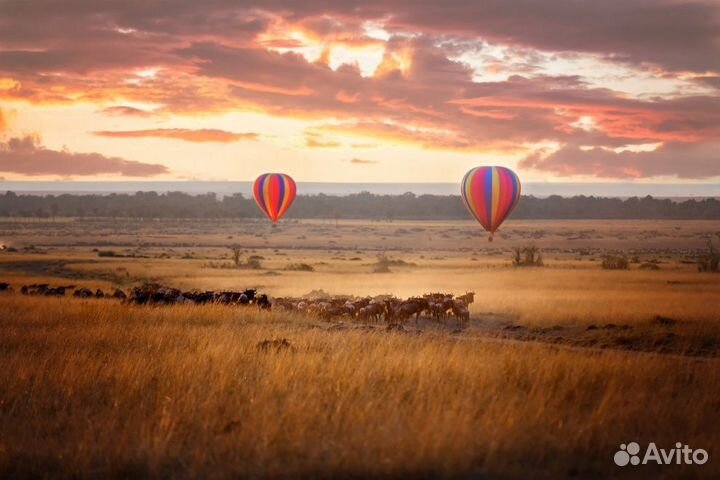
274, 193
490, 193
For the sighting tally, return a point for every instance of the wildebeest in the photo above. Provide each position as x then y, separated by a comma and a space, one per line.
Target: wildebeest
468, 298
274, 345
402, 310
83, 293
460, 311
55, 291
44, 289
439, 304
5, 287
119, 294
263, 302
156, 294
392, 310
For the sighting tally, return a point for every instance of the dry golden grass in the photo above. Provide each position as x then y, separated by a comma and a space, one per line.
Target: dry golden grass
98, 389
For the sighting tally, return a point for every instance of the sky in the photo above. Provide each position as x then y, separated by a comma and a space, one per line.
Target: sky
360, 91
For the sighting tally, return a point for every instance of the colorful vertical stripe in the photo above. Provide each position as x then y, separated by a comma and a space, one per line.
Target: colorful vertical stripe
274, 193
490, 193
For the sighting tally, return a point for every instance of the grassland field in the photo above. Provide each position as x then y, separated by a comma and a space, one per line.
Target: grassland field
558, 366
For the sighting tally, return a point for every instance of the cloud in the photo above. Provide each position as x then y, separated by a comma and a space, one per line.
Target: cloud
3, 122
228, 56
188, 135
316, 140
709, 80
676, 35
360, 161
122, 110
26, 156
691, 161
427, 138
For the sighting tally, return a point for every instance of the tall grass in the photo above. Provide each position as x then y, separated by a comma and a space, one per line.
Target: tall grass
97, 389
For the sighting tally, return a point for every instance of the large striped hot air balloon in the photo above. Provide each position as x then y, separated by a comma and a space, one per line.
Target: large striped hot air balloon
490, 193
274, 193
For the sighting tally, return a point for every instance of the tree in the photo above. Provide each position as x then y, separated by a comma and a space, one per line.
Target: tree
236, 251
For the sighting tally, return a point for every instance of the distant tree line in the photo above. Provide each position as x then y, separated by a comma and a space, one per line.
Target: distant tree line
362, 205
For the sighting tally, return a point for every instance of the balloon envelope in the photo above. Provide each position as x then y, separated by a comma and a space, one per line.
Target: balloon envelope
274, 193
490, 193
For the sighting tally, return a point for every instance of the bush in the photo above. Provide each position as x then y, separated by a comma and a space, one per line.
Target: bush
107, 253
251, 264
299, 267
615, 262
527, 257
382, 265
710, 262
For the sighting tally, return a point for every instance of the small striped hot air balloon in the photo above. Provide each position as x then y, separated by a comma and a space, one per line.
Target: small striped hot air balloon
274, 193
490, 193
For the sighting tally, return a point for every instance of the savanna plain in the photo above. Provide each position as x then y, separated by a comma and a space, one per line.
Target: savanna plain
583, 335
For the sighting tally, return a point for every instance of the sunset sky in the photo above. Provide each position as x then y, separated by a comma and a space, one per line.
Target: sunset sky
360, 91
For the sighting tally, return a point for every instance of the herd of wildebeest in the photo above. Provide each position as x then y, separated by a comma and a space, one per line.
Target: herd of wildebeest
387, 308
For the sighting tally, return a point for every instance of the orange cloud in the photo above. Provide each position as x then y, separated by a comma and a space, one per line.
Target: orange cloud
433, 139
360, 161
315, 143
259, 87
122, 110
345, 97
188, 135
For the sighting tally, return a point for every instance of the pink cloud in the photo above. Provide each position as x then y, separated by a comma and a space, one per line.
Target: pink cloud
692, 161
27, 157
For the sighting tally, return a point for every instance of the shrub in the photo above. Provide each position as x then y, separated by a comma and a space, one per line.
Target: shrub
527, 257
382, 265
710, 262
252, 264
299, 267
615, 262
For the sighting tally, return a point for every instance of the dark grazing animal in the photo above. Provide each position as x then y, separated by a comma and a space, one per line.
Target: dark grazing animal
83, 293
263, 302
276, 345
468, 298
460, 311
119, 294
